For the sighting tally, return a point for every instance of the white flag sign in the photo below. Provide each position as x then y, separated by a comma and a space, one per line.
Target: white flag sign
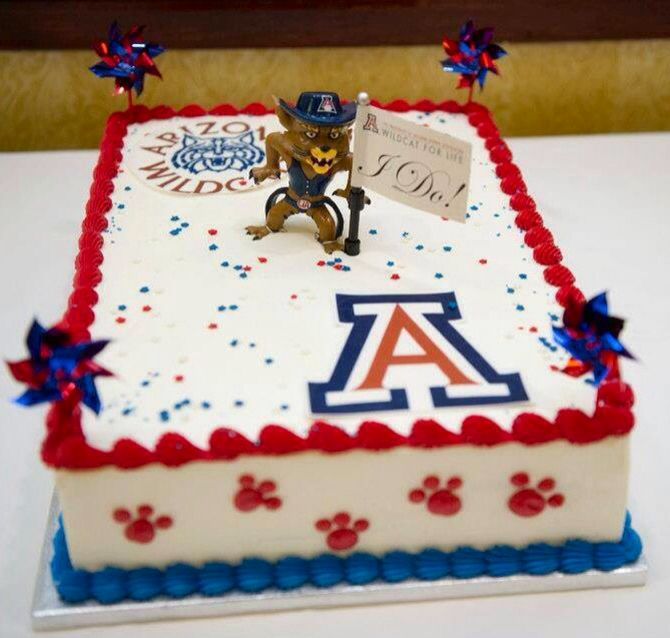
411, 164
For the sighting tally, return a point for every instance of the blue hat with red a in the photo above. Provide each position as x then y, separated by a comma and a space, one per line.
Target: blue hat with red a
321, 108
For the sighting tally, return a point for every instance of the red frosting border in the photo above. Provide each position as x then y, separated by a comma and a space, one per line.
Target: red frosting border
65, 445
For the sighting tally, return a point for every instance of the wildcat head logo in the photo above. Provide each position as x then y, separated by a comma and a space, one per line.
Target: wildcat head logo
218, 154
404, 353
198, 156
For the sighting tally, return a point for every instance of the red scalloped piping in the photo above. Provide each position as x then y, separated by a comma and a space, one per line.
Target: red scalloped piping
65, 446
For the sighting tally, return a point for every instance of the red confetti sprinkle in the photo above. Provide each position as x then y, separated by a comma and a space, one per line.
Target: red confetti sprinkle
146, 308
178, 378
338, 266
120, 320
212, 231
395, 275
321, 263
213, 326
533, 329
483, 261
246, 268
294, 296
262, 260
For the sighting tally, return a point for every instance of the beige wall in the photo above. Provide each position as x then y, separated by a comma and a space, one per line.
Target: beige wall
50, 100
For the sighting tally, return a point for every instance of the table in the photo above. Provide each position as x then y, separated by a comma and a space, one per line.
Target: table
606, 200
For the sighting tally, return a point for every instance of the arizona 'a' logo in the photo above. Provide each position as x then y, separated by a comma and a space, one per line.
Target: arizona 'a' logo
326, 105
404, 353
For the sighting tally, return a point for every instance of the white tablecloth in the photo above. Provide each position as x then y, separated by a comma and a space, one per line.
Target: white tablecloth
607, 200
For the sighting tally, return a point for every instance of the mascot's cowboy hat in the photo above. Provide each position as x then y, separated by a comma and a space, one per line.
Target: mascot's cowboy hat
321, 108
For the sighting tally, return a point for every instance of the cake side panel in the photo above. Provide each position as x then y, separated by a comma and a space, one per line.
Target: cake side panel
271, 507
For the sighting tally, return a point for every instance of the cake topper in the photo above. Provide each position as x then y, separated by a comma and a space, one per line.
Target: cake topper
314, 148
591, 337
126, 58
58, 369
473, 55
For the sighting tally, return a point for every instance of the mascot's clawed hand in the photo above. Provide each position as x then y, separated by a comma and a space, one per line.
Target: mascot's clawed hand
314, 148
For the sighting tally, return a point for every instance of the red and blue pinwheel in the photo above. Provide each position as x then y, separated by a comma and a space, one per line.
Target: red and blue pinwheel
57, 369
127, 58
591, 336
473, 55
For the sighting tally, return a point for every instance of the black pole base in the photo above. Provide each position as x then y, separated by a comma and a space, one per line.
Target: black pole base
352, 246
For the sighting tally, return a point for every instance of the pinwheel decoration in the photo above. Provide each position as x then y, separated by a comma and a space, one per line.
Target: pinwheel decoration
57, 369
591, 336
473, 55
127, 58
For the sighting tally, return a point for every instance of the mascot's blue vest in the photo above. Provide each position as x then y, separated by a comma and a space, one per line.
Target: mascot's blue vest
301, 185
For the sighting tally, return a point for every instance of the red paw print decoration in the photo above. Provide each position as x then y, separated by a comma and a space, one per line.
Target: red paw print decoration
253, 494
439, 500
342, 533
531, 501
142, 527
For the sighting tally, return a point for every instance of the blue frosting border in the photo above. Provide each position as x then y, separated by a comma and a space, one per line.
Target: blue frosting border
112, 585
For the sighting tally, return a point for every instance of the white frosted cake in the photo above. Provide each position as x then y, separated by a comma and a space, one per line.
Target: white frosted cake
279, 416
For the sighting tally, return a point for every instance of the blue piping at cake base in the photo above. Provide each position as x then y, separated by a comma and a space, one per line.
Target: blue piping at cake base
112, 585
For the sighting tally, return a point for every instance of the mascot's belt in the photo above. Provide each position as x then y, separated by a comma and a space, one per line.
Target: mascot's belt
303, 204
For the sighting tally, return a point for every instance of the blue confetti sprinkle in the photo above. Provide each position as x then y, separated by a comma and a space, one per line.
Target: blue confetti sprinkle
145, 383
405, 234
372, 231
390, 263
174, 218
144, 289
184, 224
337, 260
438, 275
221, 308
237, 267
446, 249
175, 231
127, 411
346, 268
238, 403
234, 306
520, 307
205, 405
234, 342
523, 275
252, 344
213, 247
283, 406
127, 188
419, 247
510, 290
164, 415
225, 264
553, 317
269, 361
473, 207
122, 306
121, 206
243, 275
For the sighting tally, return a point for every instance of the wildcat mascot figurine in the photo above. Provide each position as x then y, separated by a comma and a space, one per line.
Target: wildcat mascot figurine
314, 148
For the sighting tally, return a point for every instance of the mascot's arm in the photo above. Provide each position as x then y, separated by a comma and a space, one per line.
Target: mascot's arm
346, 165
274, 151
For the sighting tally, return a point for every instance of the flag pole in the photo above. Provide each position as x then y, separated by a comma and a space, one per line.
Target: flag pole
356, 202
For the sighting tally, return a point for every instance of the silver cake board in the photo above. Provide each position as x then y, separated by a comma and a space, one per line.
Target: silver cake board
49, 612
